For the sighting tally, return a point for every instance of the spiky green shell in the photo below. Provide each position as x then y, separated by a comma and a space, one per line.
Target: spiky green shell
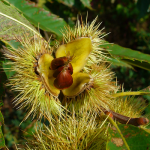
93, 81
97, 93
32, 92
72, 133
90, 31
129, 106
97, 90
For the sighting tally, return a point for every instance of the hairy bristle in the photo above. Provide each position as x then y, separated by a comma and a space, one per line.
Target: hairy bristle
32, 93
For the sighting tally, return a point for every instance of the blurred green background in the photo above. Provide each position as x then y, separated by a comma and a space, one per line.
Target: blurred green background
127, 21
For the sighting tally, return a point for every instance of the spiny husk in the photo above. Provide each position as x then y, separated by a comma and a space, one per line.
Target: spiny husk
129, 106
71, 133
97, 93
86, 30
32, 93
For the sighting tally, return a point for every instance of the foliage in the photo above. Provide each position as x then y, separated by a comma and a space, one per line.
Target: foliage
128, 21
136, 138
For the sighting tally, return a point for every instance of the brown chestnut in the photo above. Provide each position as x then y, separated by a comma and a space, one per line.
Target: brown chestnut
67, 67
58, 62
57, 71
63, 80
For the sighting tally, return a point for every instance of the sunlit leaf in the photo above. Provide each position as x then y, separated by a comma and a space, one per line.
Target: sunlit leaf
12, 23
40, 17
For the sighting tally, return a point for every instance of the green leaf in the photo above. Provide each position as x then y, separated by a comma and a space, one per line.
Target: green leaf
129, 56
1, 103
14, 44
143, 7
40, 17
1, 119
143, 65
12, 23
137, 138
147, 89
126, 53
3, 78
41, 3
2, 140
118, 62
69, 3
86, 3
122, 141
7, 70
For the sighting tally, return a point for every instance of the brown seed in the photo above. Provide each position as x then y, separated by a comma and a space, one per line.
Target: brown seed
63, 80
68, 67
58, 62
57, 71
